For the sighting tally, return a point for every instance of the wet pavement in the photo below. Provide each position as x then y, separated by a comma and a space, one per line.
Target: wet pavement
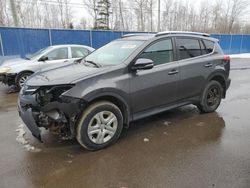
179, 148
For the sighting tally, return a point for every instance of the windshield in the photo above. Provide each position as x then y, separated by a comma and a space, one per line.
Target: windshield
38, 53
113, 53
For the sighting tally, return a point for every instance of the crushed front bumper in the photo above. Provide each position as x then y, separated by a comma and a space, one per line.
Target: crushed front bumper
29, 111
7, 78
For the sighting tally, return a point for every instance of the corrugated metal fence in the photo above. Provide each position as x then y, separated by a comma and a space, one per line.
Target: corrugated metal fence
21, 41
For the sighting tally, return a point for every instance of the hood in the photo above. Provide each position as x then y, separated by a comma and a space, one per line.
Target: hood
15, 62
62, 75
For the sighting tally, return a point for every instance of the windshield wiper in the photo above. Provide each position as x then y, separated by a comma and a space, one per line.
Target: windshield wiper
93, 63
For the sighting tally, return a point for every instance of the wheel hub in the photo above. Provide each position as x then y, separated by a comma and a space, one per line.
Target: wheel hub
102, 127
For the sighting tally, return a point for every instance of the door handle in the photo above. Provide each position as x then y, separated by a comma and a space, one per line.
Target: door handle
172, 72
208, 65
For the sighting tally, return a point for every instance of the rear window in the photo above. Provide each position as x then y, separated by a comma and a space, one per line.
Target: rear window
188, 48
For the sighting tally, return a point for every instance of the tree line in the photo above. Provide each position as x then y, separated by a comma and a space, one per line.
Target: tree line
217, 16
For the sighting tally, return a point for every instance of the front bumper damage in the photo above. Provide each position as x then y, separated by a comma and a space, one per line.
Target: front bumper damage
7, 78
59, 116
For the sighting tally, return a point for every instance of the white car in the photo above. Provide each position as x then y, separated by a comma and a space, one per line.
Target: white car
16, 71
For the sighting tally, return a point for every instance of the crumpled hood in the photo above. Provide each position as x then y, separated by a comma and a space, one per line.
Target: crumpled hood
62, 75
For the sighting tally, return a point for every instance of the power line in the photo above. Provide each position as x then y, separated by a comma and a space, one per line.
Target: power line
84, 5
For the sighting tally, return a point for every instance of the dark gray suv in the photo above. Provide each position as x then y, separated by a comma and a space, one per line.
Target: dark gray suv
127, 79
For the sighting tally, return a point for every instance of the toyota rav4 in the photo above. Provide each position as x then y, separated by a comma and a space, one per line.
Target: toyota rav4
128, 79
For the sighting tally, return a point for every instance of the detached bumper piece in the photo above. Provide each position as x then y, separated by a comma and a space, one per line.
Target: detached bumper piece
30, 122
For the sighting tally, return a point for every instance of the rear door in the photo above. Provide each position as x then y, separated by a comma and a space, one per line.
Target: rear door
78, 52
196, 64
159, 85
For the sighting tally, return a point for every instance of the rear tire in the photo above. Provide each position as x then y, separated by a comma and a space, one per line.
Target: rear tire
100, 125
21, 78
211, 97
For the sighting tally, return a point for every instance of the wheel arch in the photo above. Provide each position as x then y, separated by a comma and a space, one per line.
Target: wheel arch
116, 99
22, 72
221, 78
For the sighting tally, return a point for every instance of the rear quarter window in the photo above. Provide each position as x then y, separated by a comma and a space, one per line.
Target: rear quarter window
188, 48
208, 47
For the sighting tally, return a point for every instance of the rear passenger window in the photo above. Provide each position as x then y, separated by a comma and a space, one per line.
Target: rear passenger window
78, 52
188, 48
209, 46
160, 52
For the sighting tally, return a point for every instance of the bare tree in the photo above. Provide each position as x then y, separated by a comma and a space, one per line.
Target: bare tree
237, 8
91, 6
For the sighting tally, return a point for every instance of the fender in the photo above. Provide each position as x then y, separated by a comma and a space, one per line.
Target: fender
220, 73
119, 95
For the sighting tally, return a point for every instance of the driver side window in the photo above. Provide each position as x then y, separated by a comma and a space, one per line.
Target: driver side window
160, 52
60, 53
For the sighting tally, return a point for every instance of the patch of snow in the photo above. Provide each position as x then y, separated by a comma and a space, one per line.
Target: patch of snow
22, 140
167, 122
146, 140
66, 138
20, 135
239, 56
200, 124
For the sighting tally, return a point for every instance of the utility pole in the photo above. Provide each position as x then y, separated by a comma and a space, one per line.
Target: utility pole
159, 15
13, 10
121, 15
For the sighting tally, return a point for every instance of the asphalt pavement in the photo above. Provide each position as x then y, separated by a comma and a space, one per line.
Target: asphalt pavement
178, 148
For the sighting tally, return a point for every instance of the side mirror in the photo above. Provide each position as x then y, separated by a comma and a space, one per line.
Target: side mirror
143, 64
43, 58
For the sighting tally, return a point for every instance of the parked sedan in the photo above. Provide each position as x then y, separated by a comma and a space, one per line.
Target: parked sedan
16, 71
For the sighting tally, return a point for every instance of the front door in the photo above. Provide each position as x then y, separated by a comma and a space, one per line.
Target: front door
56, 58
159, 85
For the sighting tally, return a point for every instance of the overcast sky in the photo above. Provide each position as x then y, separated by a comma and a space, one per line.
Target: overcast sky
79, 10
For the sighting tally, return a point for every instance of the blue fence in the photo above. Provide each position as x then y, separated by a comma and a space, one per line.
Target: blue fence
21, 41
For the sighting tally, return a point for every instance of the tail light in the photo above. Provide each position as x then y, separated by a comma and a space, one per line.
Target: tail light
226, 58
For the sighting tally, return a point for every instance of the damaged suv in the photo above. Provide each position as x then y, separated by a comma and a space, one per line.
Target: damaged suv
130, 78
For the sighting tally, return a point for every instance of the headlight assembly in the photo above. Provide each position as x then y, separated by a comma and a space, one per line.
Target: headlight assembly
5, 69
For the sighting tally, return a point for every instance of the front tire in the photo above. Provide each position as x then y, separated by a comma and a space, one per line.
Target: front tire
21, 79
99, 126
211, 97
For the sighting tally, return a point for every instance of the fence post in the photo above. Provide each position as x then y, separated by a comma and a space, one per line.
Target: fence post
241, 41
50, 38
230, 44
90, 38
1, 44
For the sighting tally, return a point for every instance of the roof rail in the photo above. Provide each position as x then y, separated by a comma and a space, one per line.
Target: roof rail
182, 32
137, 34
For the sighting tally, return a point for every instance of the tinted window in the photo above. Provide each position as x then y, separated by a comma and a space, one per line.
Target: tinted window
188, 48
160, 52
61, 53
209, 46
79, 52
